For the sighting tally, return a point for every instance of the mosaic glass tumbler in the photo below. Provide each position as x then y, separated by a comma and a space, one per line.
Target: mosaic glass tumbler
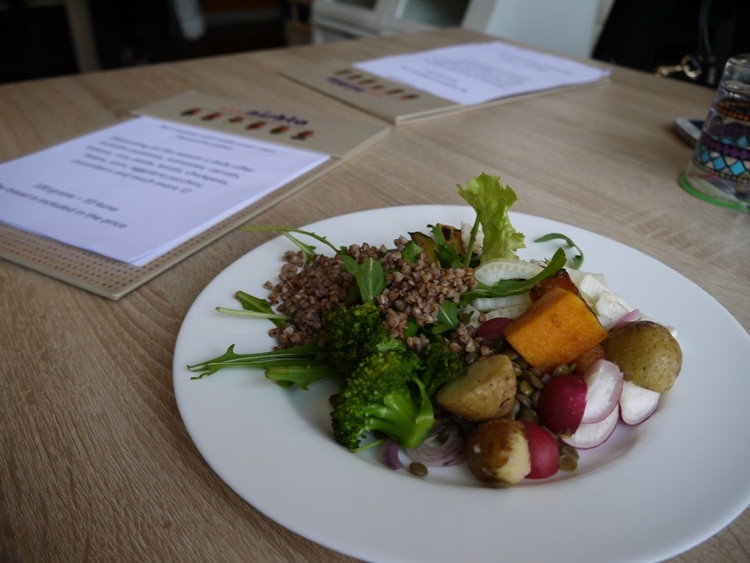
719, 171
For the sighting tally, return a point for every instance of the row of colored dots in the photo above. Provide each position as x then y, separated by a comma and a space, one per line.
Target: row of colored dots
274, 128
357, 77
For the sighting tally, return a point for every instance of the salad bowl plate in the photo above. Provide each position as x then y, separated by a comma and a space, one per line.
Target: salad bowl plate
650, 492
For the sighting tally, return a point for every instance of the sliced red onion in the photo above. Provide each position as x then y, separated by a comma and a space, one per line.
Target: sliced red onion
390, 455
492, 329
629, 317
445, 446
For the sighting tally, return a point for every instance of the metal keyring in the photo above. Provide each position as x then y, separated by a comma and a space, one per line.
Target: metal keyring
693, 70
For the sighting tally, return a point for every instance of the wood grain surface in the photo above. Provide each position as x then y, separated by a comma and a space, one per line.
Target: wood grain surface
96, 463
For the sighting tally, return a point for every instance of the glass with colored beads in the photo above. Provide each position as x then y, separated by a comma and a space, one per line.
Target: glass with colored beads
719, 170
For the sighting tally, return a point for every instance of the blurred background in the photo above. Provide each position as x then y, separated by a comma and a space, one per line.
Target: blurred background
47, 38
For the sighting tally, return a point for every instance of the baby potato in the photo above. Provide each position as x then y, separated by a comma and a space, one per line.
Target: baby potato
497, 452
646, 352
486, 391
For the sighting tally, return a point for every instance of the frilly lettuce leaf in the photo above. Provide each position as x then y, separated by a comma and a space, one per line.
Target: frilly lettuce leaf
491, 199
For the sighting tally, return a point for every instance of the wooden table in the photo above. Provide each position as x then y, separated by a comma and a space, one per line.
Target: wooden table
96, 463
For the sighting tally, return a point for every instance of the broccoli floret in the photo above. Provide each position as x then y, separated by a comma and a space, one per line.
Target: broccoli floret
384, 393
353, 334
441, 365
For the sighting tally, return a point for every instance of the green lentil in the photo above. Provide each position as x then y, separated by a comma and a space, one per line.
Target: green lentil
535, 399
516, 409
528, 415
525, 388
568, 451
524, 400
418, 469
568, 463
536, 381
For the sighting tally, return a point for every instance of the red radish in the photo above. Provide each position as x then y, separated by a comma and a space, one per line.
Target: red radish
603, 388
592, 435
543, 450
637, 403
492, 329
562, 403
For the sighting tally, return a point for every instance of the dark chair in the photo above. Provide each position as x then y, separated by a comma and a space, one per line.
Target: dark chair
648, 34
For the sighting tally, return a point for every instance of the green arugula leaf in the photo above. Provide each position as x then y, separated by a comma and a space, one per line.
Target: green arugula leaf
577, 260
445, 252
411, 251
308, 251
447, 317
412, 327
301, 376
504, 288
286, 230
256, 307
277, 318
301, 355
370, 276
472, 242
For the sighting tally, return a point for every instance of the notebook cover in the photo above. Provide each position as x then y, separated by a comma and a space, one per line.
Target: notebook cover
392, 101
113, 279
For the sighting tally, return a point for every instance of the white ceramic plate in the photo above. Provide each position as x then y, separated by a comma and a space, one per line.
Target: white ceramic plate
649, 493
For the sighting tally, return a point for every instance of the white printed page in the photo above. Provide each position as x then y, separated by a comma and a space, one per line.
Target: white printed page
476, 73
136, 190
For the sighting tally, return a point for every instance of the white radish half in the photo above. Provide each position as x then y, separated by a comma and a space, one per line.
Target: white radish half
604, 382
492, 271
637, 403
593, 434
